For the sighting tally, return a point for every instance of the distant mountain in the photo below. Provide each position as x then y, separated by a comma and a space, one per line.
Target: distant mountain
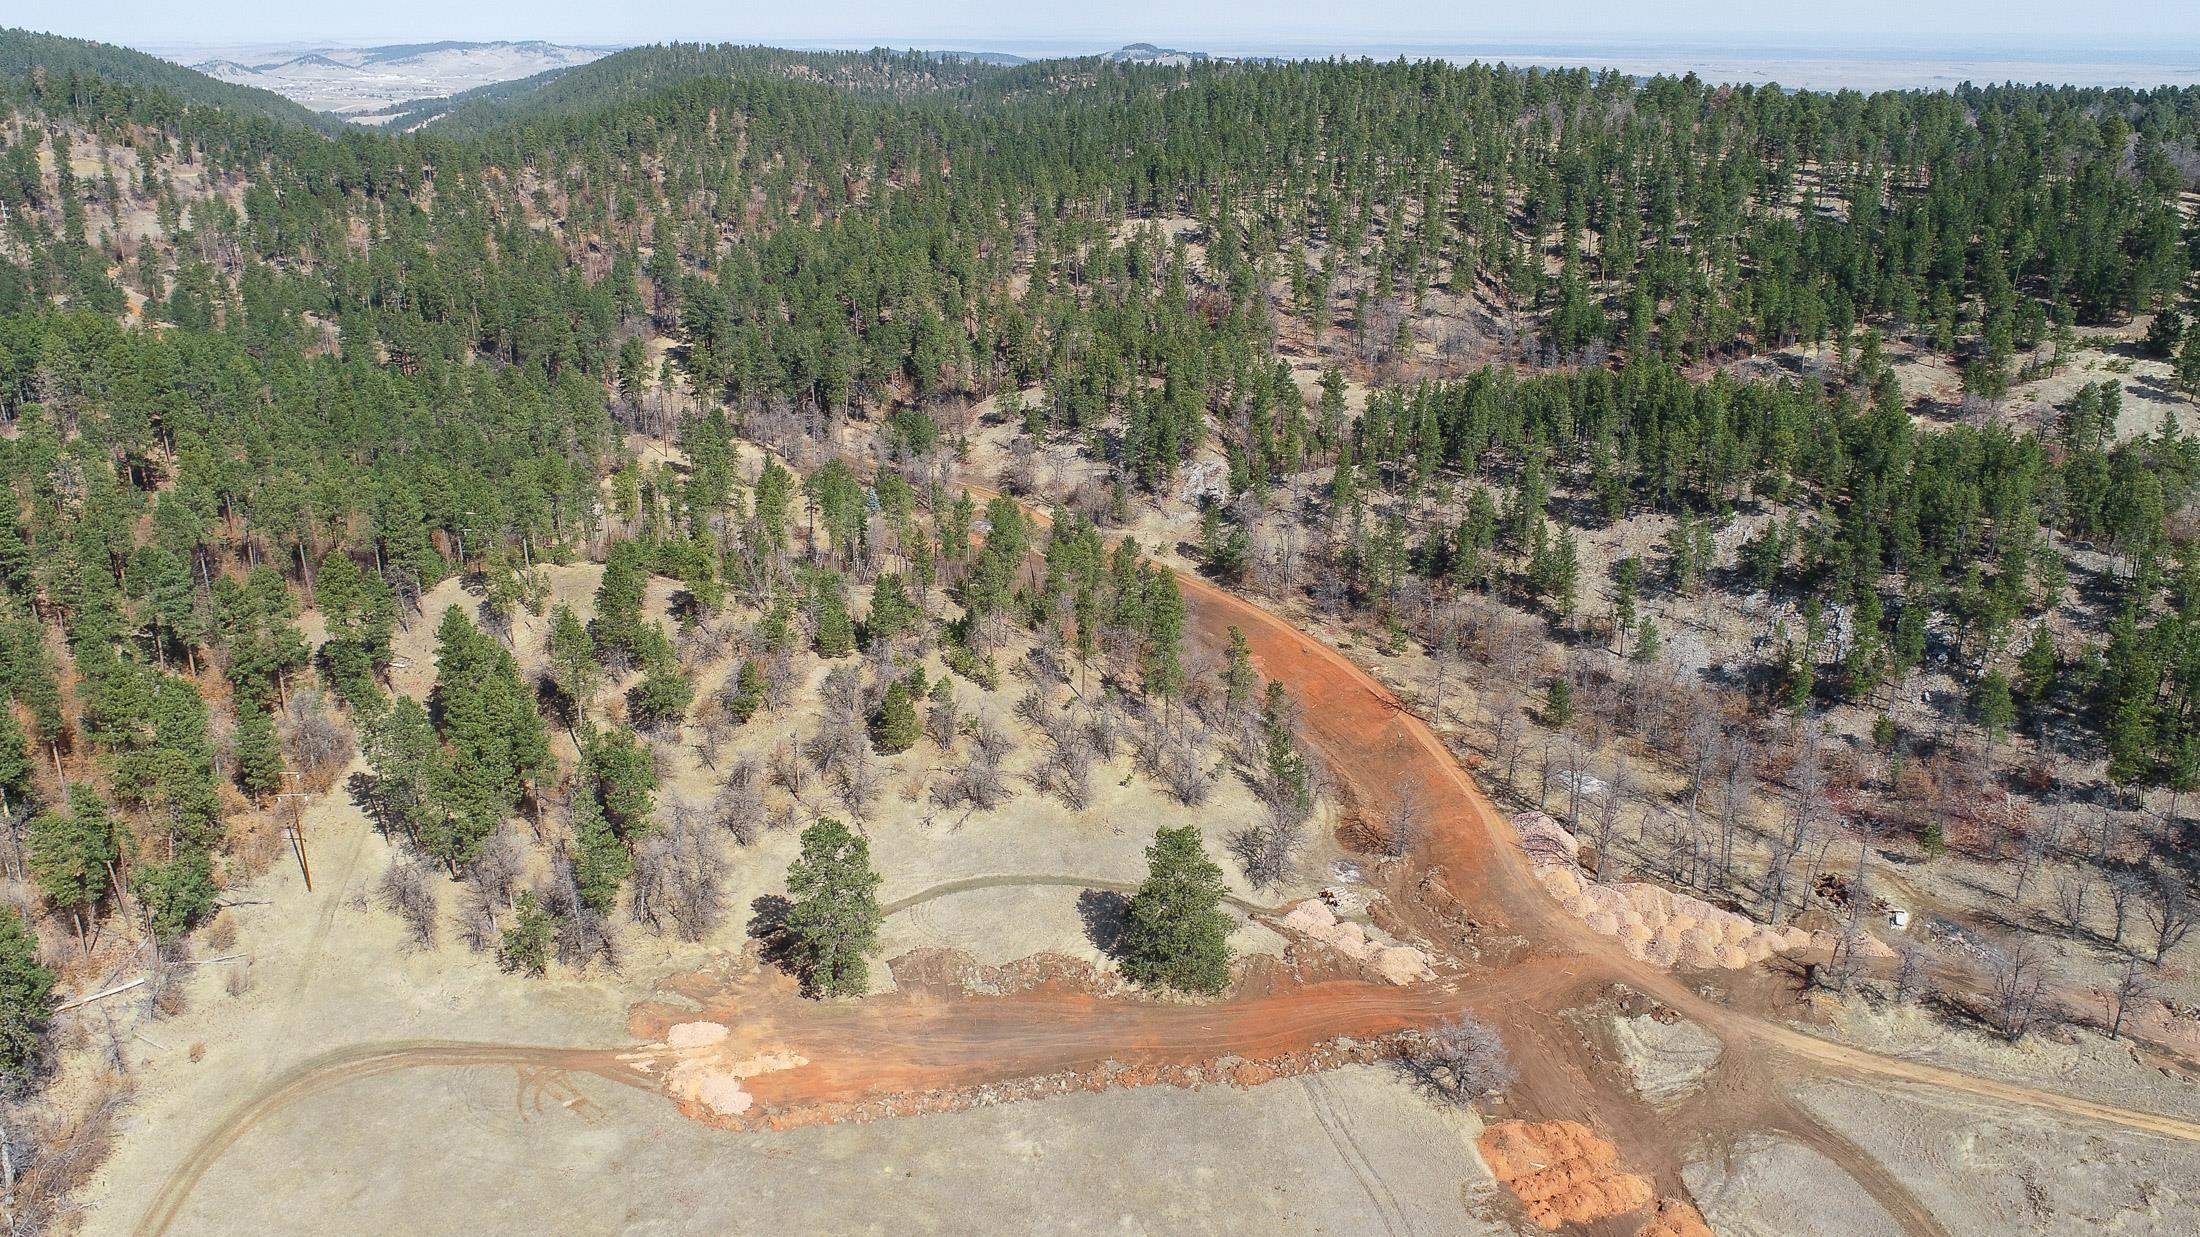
997, 59
639, 71
1147, 53
23, 52
369, 83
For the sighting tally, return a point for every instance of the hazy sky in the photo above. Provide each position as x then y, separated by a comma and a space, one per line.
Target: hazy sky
2048, 24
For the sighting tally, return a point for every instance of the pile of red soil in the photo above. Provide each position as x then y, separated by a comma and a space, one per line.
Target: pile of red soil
1562, 1172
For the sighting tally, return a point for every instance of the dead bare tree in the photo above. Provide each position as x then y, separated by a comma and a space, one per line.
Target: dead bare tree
477, 919
679, 876
582, 933
2171, 913
1067, 772
1911, 980
1460, 1059
1184, 770
2016, 978
2124, 888
404, 891
497, 867
314, 738
2132, 984
738, 807
2073, 890
1404, 820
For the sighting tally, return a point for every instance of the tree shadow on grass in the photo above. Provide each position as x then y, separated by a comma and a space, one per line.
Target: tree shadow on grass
1103, 911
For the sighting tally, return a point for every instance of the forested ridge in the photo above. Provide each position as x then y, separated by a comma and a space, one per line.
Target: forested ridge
258, 381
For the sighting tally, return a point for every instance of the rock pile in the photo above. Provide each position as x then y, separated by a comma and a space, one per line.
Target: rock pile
1399, 964
1656, 925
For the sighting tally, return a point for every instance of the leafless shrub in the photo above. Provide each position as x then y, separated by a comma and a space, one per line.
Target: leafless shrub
1067, 772
989, 742
2171, 914
858, 778
1267, 852
791, 773
679, 876
63, 1143
583, 935
477, 919
1460, 1059
1404, 822
738, 807
977, 783
497, 867
1038, 709
2016, 977
314, 738
405, 892
1184, 770
2072, 892
1104, 731
780, 680
238, 981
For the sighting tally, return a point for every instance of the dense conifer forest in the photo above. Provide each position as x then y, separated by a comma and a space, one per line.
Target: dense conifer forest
1412, 335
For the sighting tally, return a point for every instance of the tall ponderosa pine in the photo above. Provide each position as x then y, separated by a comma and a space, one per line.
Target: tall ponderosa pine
495, 740
834, 917
1175, 932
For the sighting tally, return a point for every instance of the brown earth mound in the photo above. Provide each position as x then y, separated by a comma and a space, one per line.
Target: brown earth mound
1561, 1171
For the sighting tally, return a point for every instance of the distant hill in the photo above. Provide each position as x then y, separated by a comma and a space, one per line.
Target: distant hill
1147, 53
23, 51
372, 83
639, 71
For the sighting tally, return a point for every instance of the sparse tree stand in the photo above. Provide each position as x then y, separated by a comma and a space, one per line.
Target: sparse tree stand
835, 917
1175, 932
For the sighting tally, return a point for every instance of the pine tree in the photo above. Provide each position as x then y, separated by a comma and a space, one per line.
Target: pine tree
2036, 668
15, 761
70, 852
892, 613
1238, 676
836, 634
259, 753
748, 691
619, 626
573, 664
1558, 702
834, 919
895, 729
526, 946
1175, 932
601, 861
175, 895
662, 697
26, 996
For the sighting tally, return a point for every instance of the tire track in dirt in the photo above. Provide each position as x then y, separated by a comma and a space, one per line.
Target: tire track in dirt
1338, 1127
970, 884
343, 1065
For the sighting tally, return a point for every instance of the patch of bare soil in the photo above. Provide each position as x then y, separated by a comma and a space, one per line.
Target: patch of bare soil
1562, 1172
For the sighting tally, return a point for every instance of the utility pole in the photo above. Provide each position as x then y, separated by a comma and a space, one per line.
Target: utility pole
298, 827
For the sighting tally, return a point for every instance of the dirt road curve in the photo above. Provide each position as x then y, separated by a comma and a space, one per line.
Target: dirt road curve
1360, 727
858, 1059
